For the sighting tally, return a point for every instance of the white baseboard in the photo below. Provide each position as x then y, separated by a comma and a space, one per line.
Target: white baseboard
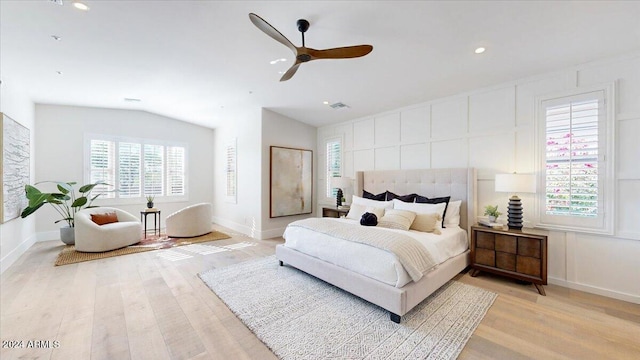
48, 235
247, 230
15, 254
595, 290
268, 234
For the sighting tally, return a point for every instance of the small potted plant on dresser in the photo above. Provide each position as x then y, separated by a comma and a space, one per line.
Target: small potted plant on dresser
492, 212
150, 201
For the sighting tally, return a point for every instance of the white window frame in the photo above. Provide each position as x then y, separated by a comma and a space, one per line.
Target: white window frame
327, 180
116, 200
604, 222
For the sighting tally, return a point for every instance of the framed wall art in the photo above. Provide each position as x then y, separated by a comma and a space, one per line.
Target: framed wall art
15, 167
291, 181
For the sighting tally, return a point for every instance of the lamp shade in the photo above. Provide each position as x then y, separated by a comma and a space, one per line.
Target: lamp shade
516, 183
340, 182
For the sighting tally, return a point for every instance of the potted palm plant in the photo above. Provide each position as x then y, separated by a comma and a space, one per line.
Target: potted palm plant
65, 202
492, 212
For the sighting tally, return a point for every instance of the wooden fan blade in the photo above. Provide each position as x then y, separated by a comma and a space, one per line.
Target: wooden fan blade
340, 53
292, 70
266, 28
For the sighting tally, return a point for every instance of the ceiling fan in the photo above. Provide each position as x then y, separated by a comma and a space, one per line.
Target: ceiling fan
304, 54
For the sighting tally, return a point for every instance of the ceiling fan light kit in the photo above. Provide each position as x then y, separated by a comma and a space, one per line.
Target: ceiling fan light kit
304, 54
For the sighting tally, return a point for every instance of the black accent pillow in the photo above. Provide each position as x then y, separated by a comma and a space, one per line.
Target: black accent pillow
438, 200
379, 197
369, 219
404, 198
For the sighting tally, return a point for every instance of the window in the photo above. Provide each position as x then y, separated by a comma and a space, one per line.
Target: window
334, 163
576, 170
136, 168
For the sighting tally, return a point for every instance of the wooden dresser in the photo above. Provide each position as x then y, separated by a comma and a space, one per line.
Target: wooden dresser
520, 255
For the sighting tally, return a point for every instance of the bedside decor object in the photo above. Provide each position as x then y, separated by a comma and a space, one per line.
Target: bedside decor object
515, 183
492, 212
150, 201
341, 183
291, 182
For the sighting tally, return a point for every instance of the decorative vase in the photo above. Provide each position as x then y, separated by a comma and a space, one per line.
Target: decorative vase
68, 235
150, 204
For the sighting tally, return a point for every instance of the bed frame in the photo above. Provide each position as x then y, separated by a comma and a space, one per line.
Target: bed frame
460, 184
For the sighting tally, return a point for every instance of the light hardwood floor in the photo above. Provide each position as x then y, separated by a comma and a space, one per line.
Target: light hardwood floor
144, 306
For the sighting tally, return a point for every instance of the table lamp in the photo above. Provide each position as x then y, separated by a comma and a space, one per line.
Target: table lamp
340, 183
515, 183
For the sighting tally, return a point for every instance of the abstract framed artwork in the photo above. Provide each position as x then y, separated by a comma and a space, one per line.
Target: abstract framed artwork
291, 181
15, 168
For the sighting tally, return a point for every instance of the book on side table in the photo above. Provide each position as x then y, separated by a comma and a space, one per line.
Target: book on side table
487, 223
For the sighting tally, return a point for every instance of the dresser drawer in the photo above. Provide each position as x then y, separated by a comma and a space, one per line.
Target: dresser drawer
506, 243
486, 257
529, 247
506, 261
528, 265
485, 240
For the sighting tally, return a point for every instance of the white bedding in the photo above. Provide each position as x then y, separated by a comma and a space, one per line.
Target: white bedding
370, 261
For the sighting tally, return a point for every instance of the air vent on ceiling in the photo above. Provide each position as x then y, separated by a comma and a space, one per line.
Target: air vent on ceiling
59, 2
132, 100
339, 105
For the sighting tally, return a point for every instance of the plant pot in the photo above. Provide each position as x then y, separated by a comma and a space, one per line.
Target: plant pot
68, 235
150, 204
492, 219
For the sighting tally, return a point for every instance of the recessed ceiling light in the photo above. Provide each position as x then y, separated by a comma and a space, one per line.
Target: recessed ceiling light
59, 72
56, 37
80, 6
273, 62
325, 102
480, 50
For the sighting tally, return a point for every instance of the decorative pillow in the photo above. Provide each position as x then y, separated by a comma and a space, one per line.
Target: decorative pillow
368, 202
397, 219
427, 223
438, 200
356, 211
421, 208
369, 219
452, 214
103, 219
406, 198
379, 197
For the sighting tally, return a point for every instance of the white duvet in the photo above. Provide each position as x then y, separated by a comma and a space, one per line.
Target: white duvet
370, 261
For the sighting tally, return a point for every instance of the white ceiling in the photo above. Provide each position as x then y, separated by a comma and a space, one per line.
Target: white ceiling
201, 61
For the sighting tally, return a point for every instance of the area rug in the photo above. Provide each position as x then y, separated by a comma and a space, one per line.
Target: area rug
300, 317
69, 255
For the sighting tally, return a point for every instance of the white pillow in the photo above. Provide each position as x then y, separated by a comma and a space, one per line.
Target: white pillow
452, 217
368, 202
421, 208
427, 223
356, 211
397, 219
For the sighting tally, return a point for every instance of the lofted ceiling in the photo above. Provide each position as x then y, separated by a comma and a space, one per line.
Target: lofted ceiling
202, 61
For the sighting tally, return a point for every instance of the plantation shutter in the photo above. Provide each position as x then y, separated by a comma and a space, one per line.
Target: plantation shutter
175, 170
153, 169
129, 174
334, 164
102, 159
230, 169
574, 160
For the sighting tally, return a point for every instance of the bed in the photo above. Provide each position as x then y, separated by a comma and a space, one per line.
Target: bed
397, 298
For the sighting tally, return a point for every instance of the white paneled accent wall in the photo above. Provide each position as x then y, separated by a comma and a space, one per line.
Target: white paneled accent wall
493, 130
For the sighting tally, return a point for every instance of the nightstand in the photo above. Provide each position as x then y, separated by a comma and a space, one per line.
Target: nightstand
333, 212
517, 254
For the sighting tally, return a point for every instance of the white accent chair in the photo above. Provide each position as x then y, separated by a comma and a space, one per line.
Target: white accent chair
192, 221
91, 237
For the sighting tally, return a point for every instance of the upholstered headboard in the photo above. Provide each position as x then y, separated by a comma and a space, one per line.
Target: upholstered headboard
460, 184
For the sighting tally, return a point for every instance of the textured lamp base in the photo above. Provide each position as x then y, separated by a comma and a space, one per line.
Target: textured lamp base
514, 212
339, 196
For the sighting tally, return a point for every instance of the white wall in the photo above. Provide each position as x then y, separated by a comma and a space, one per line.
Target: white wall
59, 147
244, 215
492, 129
279, 130
17, 235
